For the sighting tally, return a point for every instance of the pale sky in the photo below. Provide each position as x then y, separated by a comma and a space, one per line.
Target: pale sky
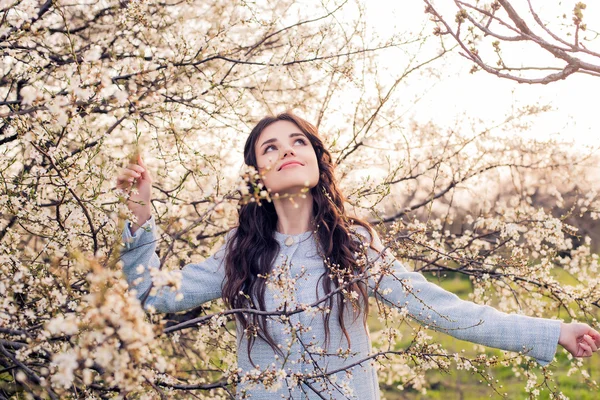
485, 96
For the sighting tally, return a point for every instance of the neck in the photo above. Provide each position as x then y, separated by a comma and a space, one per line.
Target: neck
294, 217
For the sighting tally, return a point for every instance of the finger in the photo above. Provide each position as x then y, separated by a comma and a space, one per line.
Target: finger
145, 174
126, 180
126, 177
131, 173
135, 167
588, 339
124, 184
583, 350
137, 163
595, 336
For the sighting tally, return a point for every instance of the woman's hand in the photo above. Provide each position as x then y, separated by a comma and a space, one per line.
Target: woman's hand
136, 175
579, 339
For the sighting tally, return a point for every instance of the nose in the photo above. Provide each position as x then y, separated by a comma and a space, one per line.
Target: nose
287, 151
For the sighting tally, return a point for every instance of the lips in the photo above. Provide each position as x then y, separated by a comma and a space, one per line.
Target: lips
290, 163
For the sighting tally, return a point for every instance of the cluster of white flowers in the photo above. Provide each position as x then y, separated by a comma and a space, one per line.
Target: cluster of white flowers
283, 284
63, 324
270, 377
66, 363
165, 278
110, 337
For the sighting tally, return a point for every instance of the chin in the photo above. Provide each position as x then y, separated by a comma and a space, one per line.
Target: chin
291, 182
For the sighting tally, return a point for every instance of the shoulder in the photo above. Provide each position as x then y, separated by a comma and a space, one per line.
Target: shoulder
361, 234
230, 234
367, 236
225, 246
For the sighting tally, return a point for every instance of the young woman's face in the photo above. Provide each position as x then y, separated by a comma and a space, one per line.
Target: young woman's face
286, 159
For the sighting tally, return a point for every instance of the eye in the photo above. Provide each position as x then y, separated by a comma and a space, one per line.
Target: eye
267, 149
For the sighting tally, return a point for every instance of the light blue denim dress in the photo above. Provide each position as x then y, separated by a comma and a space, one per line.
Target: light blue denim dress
424, 301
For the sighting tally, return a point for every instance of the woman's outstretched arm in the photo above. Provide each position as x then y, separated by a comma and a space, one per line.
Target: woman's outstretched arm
443, 311
199, 282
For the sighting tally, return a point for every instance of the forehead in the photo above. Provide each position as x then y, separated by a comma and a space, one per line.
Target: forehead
278, 130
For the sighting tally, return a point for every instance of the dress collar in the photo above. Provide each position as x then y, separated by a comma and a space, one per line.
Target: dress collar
284, 239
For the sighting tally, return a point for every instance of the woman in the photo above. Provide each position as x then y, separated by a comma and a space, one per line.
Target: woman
287, 254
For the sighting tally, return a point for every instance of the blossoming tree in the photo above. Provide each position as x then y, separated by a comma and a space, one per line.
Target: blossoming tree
85, 85
552, 43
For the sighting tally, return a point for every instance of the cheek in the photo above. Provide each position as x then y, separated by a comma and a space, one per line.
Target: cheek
316, 174
265, 162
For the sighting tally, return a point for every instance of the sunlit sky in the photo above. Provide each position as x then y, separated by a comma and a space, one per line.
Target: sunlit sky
458, 93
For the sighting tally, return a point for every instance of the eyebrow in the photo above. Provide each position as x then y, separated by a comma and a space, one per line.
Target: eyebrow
275, 139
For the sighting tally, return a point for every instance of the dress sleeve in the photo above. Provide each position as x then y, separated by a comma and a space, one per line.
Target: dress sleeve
199, 282
443, 311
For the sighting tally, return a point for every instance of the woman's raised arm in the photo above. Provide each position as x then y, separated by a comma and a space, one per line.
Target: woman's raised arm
199, 282
443, 311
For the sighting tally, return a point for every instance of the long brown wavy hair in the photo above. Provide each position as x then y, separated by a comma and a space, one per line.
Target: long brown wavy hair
252, 247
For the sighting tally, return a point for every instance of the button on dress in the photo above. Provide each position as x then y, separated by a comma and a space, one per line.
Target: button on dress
340, 371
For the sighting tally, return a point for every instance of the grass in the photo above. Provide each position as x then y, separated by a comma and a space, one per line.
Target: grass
464, 385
